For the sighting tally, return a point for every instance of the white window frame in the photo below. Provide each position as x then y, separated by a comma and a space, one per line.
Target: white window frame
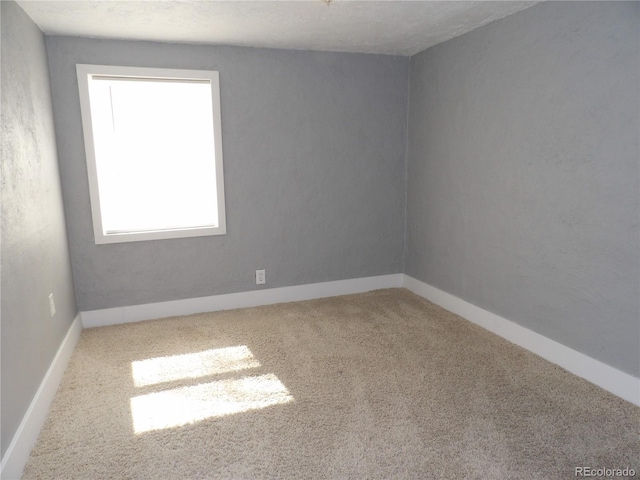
85, 73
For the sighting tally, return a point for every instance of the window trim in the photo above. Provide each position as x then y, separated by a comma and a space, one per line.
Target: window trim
84, 73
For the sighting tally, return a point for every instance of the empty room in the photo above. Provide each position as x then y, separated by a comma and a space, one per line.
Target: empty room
320, 239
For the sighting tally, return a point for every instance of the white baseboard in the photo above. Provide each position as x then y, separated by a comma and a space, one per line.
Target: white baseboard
611, 379
254, 298
615, 381
16, 456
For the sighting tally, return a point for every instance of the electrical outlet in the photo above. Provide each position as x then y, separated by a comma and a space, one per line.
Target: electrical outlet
52, 305
261, 279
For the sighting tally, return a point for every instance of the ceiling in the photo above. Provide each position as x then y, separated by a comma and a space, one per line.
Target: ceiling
366, 26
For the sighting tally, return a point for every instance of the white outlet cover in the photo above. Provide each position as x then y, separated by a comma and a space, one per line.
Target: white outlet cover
260, 277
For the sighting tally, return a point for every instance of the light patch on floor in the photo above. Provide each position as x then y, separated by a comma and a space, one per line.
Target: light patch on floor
186, 405
192, 365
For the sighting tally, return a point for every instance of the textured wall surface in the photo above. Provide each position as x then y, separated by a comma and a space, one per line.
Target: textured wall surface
523, 173
314, 156
35, 256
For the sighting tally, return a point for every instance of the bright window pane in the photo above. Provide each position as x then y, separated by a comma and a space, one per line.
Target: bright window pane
154, 154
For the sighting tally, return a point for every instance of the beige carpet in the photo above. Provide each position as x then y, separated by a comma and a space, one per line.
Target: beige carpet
373, 386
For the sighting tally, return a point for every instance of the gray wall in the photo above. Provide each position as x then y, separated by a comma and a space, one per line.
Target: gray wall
35, 257
523, 172
314, 155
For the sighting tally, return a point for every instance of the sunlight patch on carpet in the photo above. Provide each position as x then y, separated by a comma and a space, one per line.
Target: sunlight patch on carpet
187, 405
192, 365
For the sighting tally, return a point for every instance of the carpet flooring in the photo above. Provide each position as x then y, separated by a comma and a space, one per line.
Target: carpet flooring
380, 385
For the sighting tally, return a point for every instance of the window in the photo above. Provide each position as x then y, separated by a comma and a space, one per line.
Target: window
154, 152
